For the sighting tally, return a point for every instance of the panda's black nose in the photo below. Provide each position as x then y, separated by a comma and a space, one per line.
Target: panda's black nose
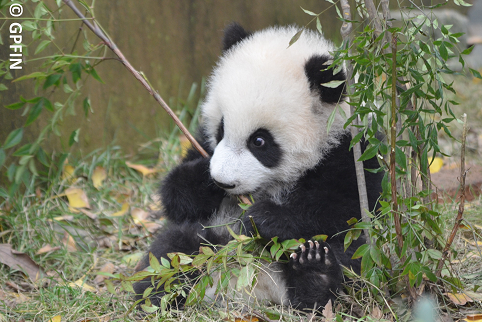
224, 185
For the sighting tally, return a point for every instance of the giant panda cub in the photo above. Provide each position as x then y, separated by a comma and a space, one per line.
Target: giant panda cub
264, 125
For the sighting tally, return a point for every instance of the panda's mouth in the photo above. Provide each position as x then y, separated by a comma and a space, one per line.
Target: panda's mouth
224, 185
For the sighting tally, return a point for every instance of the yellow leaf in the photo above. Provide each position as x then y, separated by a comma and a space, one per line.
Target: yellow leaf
77, 198
84, 286
436, 165
123, 211
66, 218
473, 242
142, 168
68, 172
99, 176
56, 318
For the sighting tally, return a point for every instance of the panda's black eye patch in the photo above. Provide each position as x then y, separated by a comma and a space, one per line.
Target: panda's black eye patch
220, 132
263, 146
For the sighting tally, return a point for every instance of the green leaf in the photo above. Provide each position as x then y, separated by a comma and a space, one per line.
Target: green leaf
295, 37
468, 50
86, 106
15, 106
2, 157
52, 80
333, 84
400, 158
443, 52
35, 112
318, 25
33, 75
154, 263
13, 138
331, 119
48, 105
311, 13
76, 70
361, 251
42, 46
475, 73
369, 153
24, 150
95, 75
3, 87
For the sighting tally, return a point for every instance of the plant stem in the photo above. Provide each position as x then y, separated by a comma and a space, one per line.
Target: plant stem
460, 212
109, 43
345, 31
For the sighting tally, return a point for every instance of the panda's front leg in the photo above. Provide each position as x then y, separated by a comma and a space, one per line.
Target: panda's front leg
188, 193
273, 220
314, 276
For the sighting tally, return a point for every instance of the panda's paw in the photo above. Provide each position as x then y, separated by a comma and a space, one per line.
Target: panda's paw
316, 257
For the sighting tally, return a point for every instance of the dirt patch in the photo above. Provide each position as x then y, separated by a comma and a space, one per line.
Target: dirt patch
447, 185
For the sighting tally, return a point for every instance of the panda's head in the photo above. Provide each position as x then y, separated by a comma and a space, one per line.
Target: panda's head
265, 114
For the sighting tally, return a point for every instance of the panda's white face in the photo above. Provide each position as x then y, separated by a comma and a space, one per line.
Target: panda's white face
262, 119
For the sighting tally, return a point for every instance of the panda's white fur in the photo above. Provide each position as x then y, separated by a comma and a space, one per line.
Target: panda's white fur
261, 83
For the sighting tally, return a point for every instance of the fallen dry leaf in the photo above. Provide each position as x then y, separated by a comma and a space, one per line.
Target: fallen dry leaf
64, 218
142, 168
11, 298
47, 248
473, 318
68, 173
247, 318
107, 268
88, 213
140, 219
56, 318
99, 176
69, 242
77, 198
328, 311
14, 286
458, 298
473, 242
20, 261
83, 285
152, 226
123, 211
139, 216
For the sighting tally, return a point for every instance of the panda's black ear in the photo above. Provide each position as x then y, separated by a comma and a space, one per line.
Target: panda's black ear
233, 34
316, 69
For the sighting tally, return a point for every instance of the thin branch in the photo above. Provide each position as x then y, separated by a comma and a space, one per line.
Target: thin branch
393, 141
109, 43
345, 31
460, 213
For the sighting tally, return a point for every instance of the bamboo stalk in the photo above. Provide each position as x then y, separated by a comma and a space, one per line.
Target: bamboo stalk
345, 31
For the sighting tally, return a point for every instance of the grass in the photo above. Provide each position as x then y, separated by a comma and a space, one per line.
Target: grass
42, 215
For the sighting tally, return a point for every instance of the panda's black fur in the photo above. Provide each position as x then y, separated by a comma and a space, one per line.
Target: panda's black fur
318, 199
